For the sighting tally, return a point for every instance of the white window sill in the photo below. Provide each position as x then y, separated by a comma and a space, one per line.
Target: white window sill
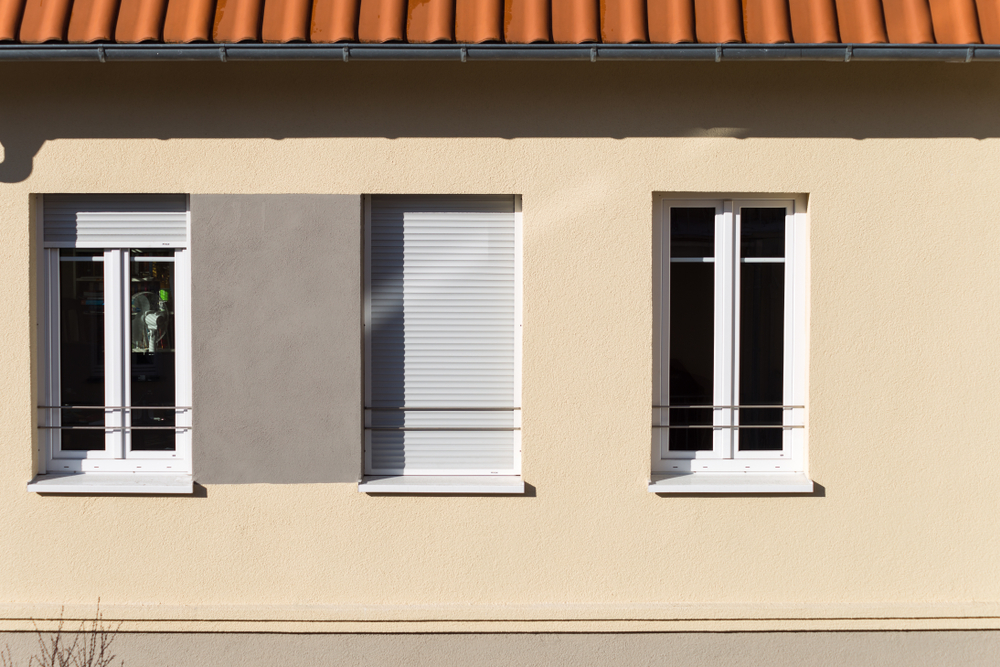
509, 484
732, 482
113, 482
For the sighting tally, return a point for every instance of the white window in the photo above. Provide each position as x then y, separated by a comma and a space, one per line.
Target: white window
442, 344
116, 343
729, 392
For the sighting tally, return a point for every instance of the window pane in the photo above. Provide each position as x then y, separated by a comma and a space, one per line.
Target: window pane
692, 321
762, 232
153, 383
762, 297
692, 232
81, 348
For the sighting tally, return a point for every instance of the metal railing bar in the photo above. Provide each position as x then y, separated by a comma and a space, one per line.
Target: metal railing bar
119, 428
445, 428
114, 407
726, 407
732, 426
466, 409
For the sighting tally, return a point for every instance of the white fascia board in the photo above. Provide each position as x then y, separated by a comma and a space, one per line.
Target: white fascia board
509, 484
113, 482
732, 482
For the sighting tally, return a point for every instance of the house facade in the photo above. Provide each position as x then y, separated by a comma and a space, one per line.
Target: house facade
657, 357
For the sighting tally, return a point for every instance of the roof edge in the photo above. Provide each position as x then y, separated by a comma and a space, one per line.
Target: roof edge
348, 52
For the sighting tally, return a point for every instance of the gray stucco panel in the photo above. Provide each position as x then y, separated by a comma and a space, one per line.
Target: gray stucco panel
642, 649
277, 338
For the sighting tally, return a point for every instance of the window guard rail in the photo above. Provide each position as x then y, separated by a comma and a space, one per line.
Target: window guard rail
119, 428
114, 407
463, 409
728, 426
728, 407
442, 428
123, 408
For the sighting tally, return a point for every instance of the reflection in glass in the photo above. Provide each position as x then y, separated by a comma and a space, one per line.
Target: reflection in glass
81, 355
692, 232
762, 296
152, 378
692, 320
762, 232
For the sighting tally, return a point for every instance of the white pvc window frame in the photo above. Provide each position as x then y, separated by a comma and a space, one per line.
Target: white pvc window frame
725, 455
117, 456
515, 469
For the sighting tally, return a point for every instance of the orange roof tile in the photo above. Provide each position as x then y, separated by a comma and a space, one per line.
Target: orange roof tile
671, 21
286, 21
478, 21
140, 21
10, 19
44, 21
92, 21
511, 21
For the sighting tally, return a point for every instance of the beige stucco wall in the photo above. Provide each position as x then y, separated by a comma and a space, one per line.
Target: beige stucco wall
900, 165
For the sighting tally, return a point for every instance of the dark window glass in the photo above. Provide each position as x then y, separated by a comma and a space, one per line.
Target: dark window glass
692, 320
762, 232
762, 298
692, 232
153, 379
81, 351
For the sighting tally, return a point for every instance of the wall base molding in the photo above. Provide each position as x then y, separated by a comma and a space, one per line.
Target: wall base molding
505, 618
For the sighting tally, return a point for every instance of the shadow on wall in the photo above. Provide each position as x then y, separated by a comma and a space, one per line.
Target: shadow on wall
45, 101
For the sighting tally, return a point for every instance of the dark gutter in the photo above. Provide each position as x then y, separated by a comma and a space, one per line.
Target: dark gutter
497, 52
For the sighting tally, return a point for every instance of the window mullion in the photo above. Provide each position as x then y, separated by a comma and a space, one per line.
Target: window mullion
725, 343
114, 351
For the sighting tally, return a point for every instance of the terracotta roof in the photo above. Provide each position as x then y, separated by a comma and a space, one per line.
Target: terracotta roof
510, 21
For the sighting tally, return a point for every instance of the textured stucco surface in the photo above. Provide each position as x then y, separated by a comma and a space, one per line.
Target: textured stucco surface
792, 649
899, 162
276, 369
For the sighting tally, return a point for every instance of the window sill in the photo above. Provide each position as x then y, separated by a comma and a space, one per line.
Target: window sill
113, 482
732, 482
507, 484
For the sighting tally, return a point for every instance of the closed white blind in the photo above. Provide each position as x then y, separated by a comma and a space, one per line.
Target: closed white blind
115, 221
441, 334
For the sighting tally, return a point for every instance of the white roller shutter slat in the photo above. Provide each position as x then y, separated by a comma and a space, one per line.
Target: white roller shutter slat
442, 334
115, 221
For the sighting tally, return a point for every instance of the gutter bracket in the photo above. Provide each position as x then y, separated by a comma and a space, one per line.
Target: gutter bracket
103, 59
848, 52
222, 53
593, 54
347, 54
465, 54
969, 54
718, 53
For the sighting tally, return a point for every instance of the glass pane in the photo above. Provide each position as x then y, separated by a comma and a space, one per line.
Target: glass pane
762, 302
692, 322
692, 232
153, 380
81, 348
762, 232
